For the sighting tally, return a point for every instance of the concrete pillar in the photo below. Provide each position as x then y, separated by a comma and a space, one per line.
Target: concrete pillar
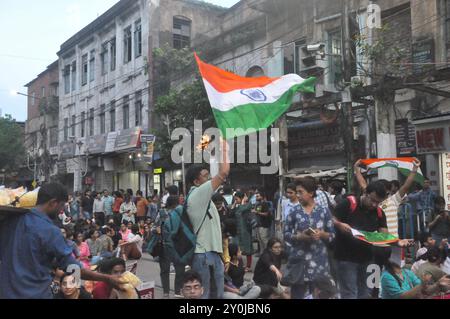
386, 149
77, 179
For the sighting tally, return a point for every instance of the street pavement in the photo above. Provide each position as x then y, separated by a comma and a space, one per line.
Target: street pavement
148, 270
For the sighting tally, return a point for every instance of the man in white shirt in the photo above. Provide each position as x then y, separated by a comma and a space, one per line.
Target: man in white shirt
99, 210
292, 201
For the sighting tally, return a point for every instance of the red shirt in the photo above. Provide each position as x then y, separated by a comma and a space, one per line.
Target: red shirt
116, 206
101, 290
141, 206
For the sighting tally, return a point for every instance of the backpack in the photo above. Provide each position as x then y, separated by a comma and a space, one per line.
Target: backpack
179, 238
354, 204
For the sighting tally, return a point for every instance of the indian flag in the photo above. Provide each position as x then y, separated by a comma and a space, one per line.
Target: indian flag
248, 105
403, 164
375, 238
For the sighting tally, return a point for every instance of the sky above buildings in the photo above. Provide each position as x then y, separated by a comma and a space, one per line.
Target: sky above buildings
32, 32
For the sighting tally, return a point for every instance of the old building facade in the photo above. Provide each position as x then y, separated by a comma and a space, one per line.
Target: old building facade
41, 127
105, 103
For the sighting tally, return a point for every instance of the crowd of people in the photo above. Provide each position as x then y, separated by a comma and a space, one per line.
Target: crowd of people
300, 245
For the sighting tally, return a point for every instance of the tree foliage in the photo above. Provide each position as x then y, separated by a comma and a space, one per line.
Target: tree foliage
12, 150
181, 96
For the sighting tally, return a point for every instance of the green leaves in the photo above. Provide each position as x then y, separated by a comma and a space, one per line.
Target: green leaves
180, 109
12, 150
180, 95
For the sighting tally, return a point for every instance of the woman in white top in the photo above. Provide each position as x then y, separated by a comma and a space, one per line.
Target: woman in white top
132, 249
128, 210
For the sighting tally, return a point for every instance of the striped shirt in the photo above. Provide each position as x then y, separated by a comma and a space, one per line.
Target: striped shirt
390, 207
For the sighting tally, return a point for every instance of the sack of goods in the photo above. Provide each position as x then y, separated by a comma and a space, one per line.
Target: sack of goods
8, 196
18, 197
130, 283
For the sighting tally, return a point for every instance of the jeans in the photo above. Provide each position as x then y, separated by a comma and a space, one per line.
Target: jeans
209, 265
117, 219
87, 215
253, 293
352, 279
299, 291
164, 266
108, 216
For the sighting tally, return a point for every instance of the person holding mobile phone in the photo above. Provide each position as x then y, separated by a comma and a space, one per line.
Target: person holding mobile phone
440, 226
308, 228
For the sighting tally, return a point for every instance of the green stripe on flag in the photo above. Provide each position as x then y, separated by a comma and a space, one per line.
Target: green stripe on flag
376, 237
255, 117
418, 178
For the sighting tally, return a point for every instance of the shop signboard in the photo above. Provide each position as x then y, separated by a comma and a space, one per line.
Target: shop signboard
147, 146
445, 177
405, 135
67, 150
97, 144
127, 139
432, 139
111, 142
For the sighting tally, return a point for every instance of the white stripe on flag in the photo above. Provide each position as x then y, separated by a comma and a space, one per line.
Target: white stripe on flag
272, 92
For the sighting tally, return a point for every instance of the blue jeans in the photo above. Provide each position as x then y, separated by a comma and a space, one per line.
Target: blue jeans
87, 215
299, 291
352, 278
207, 265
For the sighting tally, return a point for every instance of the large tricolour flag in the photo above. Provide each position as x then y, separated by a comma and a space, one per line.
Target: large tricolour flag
250, 104
403, 164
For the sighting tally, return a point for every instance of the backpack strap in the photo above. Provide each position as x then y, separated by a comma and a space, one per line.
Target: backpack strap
353, 203
204, 218
379, 212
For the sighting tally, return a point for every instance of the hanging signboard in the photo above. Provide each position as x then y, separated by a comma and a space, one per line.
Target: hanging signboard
147, 146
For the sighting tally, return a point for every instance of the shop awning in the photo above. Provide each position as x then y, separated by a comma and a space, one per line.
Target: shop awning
315, 172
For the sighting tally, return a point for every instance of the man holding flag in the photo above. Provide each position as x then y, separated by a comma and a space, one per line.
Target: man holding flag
392, 203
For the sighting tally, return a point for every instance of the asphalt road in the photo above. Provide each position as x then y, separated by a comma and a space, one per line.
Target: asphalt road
148, 270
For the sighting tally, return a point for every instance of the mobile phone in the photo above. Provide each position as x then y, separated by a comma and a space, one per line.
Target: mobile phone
311, 231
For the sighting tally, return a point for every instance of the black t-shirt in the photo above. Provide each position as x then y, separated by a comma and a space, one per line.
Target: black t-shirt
87, 203
237, 274
263, 275
349, 248
116, 238
264, 221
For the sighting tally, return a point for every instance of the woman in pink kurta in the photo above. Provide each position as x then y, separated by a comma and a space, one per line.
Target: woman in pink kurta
124, 232
84, 250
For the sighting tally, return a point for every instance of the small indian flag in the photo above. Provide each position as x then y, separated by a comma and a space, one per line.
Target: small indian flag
375, 238
248, 105
403, 164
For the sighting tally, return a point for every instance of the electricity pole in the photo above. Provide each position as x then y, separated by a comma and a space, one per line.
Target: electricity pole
347, 123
